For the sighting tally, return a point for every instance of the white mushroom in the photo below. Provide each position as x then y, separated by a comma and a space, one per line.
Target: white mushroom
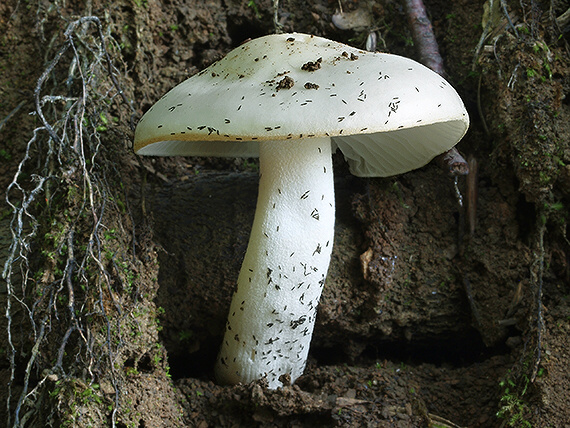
283, 98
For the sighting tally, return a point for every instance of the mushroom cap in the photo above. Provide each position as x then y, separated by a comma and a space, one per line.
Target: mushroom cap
388, 114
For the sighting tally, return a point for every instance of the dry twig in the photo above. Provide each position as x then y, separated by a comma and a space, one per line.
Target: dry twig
423, 36
424, 39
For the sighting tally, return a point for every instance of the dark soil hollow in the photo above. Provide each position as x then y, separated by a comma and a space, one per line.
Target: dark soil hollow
458, 352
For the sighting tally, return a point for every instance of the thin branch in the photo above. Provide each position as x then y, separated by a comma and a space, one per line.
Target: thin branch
423, 36
12, 113
537, 279
428, 50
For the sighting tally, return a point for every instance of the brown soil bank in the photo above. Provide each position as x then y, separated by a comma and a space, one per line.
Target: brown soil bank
118, 271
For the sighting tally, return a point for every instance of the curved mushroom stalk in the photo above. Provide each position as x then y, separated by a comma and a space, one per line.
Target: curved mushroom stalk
387, 114
273, 310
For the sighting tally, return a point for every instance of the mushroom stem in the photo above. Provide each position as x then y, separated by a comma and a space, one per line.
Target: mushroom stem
273, 309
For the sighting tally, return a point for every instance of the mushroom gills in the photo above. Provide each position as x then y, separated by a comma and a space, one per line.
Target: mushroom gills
393, 152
